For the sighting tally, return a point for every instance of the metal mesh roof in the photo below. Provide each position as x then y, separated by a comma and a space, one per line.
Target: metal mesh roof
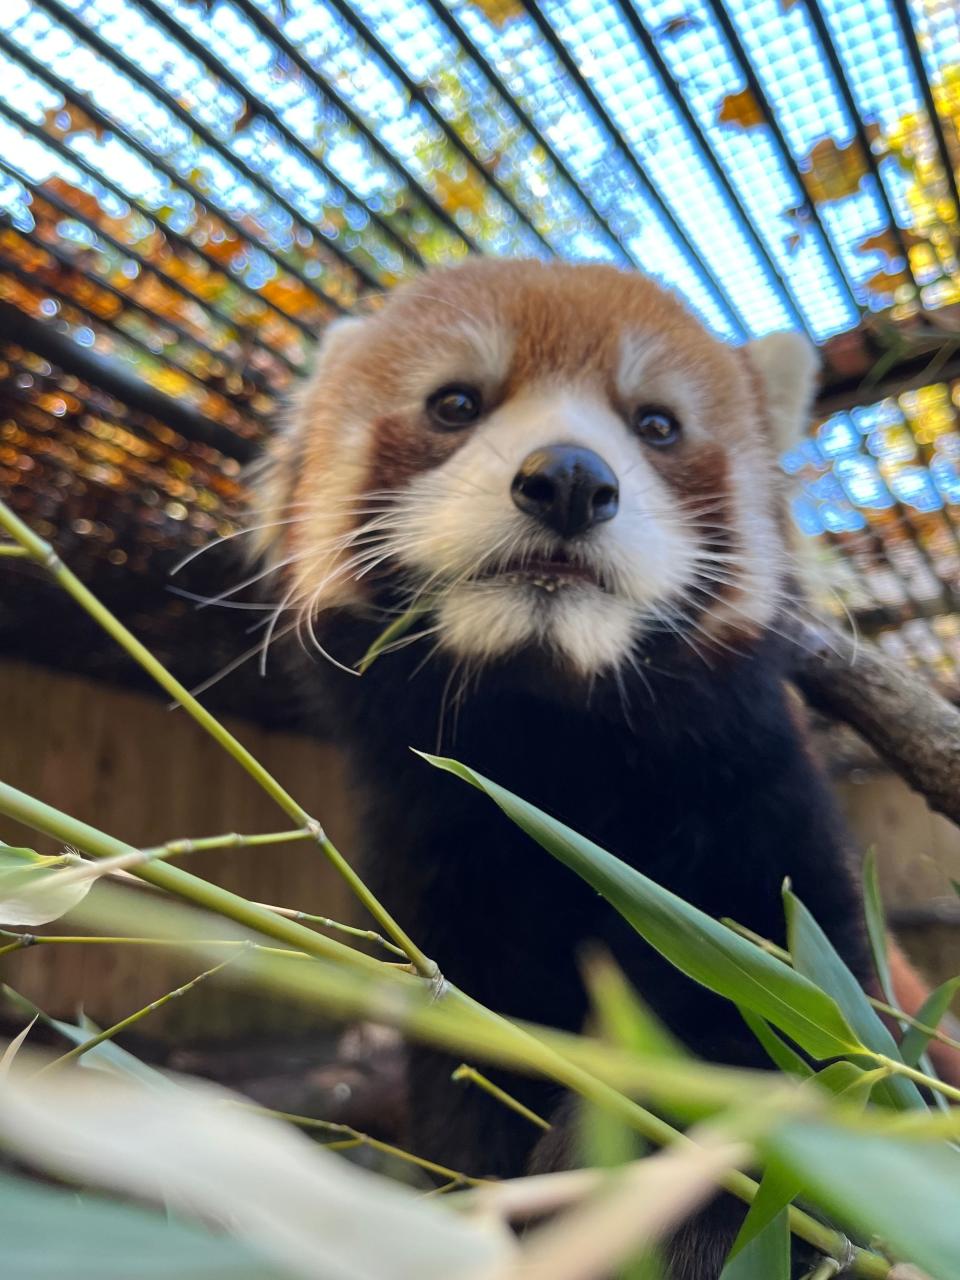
191, 189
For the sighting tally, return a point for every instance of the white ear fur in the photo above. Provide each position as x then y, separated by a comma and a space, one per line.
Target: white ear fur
788, 364
271, 477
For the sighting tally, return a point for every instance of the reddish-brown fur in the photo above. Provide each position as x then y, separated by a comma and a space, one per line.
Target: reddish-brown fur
556, 322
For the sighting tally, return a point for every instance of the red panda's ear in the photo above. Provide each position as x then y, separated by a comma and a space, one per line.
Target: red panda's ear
788, 364
272, 478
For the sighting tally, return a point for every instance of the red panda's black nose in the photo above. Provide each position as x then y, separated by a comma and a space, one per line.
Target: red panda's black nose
567, 488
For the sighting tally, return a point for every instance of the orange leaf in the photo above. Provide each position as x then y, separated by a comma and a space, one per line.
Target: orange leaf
884, 285
500, 12
243, 119
70, 119
741, 109
875, 137
880, 242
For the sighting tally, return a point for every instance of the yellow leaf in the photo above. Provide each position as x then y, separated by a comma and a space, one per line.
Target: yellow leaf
741, 109
461, 192
500, 12
834, 172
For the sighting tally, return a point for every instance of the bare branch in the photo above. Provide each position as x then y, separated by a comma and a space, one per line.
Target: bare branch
914, 729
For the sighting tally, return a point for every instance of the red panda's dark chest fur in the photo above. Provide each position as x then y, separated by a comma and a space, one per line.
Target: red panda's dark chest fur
709, 788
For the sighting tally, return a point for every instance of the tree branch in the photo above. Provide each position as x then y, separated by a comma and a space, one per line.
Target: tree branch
914, 729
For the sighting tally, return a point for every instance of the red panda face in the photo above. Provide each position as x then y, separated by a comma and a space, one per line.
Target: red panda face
547, 455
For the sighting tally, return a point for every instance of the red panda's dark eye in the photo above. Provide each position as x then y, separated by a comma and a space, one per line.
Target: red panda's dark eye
656, 426
454, 406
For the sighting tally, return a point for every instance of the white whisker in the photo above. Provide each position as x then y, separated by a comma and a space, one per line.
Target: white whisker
230, 667
230, 537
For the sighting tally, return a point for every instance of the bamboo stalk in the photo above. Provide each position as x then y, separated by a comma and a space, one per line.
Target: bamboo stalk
473, 1076
356, 1138
52, 822
118, 1027
43, 553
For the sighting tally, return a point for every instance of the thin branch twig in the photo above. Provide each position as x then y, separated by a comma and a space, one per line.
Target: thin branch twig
473, 1076
354, 1138
118, 1027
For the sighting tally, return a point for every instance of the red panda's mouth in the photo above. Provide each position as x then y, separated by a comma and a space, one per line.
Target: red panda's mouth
548, 573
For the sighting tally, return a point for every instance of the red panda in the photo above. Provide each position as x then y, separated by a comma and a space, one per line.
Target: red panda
578, 487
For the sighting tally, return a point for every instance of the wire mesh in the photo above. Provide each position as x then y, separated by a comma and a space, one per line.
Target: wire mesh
192, 189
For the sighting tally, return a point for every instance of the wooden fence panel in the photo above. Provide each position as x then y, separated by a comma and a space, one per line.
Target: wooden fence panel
126, 763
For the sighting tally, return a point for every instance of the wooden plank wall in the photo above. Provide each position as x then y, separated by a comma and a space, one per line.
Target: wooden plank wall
918, 853
125, 763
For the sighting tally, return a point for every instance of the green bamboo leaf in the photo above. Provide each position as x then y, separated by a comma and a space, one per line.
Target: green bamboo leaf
901, 1192
815, 956
766, 1256
35, 889
876, 924
103, 1057
877, 933
624, 1020
847, 1081
396, 630
48, 1232
15, 857
765, 1234
786, 1058
622, 1016
649, 1266
698, 945
937, 1003
603, 1140
838, 1076
109, 1056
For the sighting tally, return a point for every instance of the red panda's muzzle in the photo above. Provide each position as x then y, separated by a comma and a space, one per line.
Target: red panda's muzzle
567, 488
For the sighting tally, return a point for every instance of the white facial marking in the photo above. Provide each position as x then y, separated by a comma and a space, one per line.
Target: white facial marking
466, 524
758, 566
645, 377
457, 532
